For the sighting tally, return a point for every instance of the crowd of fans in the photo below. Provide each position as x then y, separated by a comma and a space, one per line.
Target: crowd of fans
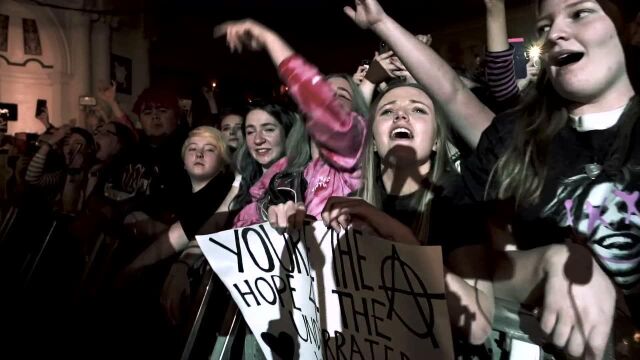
530, 187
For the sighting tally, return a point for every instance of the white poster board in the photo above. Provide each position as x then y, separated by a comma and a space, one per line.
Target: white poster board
317, 294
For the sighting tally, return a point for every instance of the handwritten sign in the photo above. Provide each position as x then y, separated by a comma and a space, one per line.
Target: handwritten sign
318, 294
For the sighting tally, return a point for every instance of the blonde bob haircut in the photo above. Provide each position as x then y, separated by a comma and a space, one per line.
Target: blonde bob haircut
212, 134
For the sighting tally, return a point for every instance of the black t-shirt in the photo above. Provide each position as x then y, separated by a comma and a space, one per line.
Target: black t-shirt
152, 180
198, 207
453, 223
601, 211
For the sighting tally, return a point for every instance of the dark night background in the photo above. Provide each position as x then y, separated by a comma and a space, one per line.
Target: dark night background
184, 54
183, 51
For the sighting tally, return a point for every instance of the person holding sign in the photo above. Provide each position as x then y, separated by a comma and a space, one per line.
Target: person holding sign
335, 119
564, 163
405, 175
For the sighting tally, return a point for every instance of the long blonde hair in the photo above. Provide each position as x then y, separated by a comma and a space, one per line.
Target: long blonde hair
371, 190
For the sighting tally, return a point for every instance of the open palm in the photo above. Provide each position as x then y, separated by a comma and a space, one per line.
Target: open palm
366, 14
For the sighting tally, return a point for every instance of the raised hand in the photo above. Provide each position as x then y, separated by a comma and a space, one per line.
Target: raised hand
367, 13
382, 68
244, 34
108, 93
285, 216
57, 135
358, 76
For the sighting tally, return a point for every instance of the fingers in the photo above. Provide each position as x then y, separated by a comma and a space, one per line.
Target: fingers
548, 320
400, 73
575, 345
285, 216
384, 56
597, 341
397, 63
351, 13
300, 214
277, 217
344, 220
221, 29
338, 211
272, 215
562, 329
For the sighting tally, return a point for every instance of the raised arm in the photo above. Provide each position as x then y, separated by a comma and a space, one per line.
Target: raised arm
500, 71
108, 94
36, 170
467, 114
339, 133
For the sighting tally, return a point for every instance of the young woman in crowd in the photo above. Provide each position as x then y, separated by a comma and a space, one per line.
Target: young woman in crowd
334, 111
408, 196
66, 182
231, 128
206, 158
564, 160
272, 133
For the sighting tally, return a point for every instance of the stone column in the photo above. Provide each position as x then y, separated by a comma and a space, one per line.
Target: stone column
100, 53
79, 81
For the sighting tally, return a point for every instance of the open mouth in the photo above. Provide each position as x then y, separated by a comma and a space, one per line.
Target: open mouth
262, 151
566, 58
401, 133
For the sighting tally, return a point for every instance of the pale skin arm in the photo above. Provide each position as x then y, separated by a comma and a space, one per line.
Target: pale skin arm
167, 244
497, 39
578, 300
468, 116
174, 240
367, 88
470, 292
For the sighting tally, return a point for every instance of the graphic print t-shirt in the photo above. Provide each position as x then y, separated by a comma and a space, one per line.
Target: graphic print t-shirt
600, 210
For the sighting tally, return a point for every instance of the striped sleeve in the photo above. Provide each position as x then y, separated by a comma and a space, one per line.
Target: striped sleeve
501, 75
36, 176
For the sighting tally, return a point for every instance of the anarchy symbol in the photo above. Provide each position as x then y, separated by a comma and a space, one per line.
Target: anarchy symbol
389, 264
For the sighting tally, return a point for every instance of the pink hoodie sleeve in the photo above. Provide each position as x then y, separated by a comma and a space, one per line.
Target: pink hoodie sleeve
339, 133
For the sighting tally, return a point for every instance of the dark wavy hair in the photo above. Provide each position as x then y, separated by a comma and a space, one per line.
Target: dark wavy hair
297, 149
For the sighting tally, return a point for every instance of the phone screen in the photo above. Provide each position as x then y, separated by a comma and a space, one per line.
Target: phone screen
41, 107
8, 111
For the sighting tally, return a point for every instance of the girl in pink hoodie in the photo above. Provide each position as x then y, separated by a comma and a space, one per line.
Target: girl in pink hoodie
334, 111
